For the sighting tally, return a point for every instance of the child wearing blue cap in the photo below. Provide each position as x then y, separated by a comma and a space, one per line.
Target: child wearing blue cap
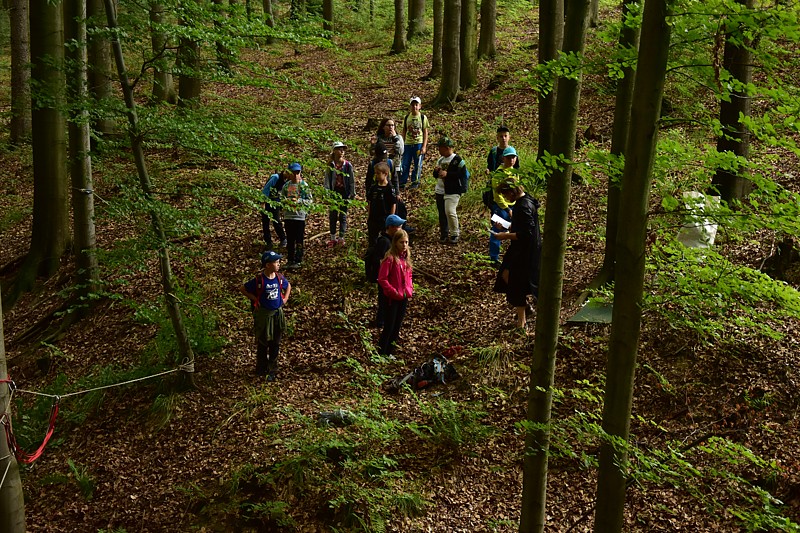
268, 293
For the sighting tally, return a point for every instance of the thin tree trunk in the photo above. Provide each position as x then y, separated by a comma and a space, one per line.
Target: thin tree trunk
224, 56
50, 234
12, 503
399, 45
101, 67
20, 127
594, 14
269, 18
79, 152
167, 280
163, 83
486, 41
628, 289
438, 26
735, 137
548, 311
628, 39
451, 56
551, 34
416, 19
468, 75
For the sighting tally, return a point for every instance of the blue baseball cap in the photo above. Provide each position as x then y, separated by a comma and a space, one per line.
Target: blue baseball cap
509, 152
394, 220
295, 167
270, 257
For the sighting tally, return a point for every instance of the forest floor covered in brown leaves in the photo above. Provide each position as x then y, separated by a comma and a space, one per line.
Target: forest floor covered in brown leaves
152, 472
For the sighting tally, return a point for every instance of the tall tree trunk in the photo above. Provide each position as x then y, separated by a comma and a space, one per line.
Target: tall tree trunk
79, 148
163, 83
269, 18
626, 318
189, 84
167, 278
468, 76
20, 127
628, 39
101, 68
551, 34
548, 311
416, 18
399, 45
327, 15
50, 235
486, 40
12, 503
594, 14
224, 55
451, 56
735, 137
438, 27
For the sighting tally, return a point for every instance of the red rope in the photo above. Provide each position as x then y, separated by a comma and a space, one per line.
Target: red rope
21, 455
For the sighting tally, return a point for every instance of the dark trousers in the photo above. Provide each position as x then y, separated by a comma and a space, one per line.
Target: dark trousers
443, 229
339, 216
273, 215
393, 318
267, 355
379, 318
295, 233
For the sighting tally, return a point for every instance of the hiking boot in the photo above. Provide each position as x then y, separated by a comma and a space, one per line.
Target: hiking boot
443, 238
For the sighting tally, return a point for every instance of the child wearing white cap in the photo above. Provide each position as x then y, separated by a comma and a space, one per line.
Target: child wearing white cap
415, 133
339, 179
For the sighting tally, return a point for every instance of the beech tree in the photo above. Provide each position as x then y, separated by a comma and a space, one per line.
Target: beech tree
468, 75
438, 26
734, 107
400, 44
79, 148
630, 266
50, 232
486, 39
327, 15
163, 82
416, 18
551, 34
101, 67
451, 56
12, 502
20, 126
548, 309
189, 84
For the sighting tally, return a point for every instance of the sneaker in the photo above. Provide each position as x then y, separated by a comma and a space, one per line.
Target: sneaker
271, 377
331, 242
496, 264
340, 241
415, 185
283, 243
452, 240
443, 238
291, 265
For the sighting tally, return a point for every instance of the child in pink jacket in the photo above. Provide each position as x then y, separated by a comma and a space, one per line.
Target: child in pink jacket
394, 279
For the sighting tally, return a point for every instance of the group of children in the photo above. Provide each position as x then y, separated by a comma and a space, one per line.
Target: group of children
389, 172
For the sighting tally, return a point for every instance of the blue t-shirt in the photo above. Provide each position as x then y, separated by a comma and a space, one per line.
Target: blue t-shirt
270, 297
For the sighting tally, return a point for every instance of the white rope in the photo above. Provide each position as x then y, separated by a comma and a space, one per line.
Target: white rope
8, 465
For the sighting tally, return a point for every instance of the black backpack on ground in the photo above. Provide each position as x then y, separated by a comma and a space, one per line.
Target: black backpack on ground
437, 371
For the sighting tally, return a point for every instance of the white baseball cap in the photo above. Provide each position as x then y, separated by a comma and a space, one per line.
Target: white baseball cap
338, 144
415, 99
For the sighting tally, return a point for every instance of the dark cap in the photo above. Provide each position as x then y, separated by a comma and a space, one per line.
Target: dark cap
445, 141
270, 257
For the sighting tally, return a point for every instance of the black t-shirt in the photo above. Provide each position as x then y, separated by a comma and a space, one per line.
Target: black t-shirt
381, 199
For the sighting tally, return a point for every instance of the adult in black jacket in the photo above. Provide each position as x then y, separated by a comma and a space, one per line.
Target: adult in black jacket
519, 273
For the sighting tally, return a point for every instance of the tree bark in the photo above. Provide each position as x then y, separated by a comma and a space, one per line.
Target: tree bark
628, 39
20, 127
269, 18
486, 40
548, 311
451, 56
551, 34
416, 19
50, 234
399, 45
167, 280
438, 26
101, 67
735, 138
468, 76
594, 14
327, 15
12, 503
628, 289
189, 84
79, 152
163, 83
224, 55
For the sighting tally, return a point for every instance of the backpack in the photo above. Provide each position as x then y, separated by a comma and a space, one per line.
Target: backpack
437, 371
372, 263
487, 196
260, 287
275, 191
405, 120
